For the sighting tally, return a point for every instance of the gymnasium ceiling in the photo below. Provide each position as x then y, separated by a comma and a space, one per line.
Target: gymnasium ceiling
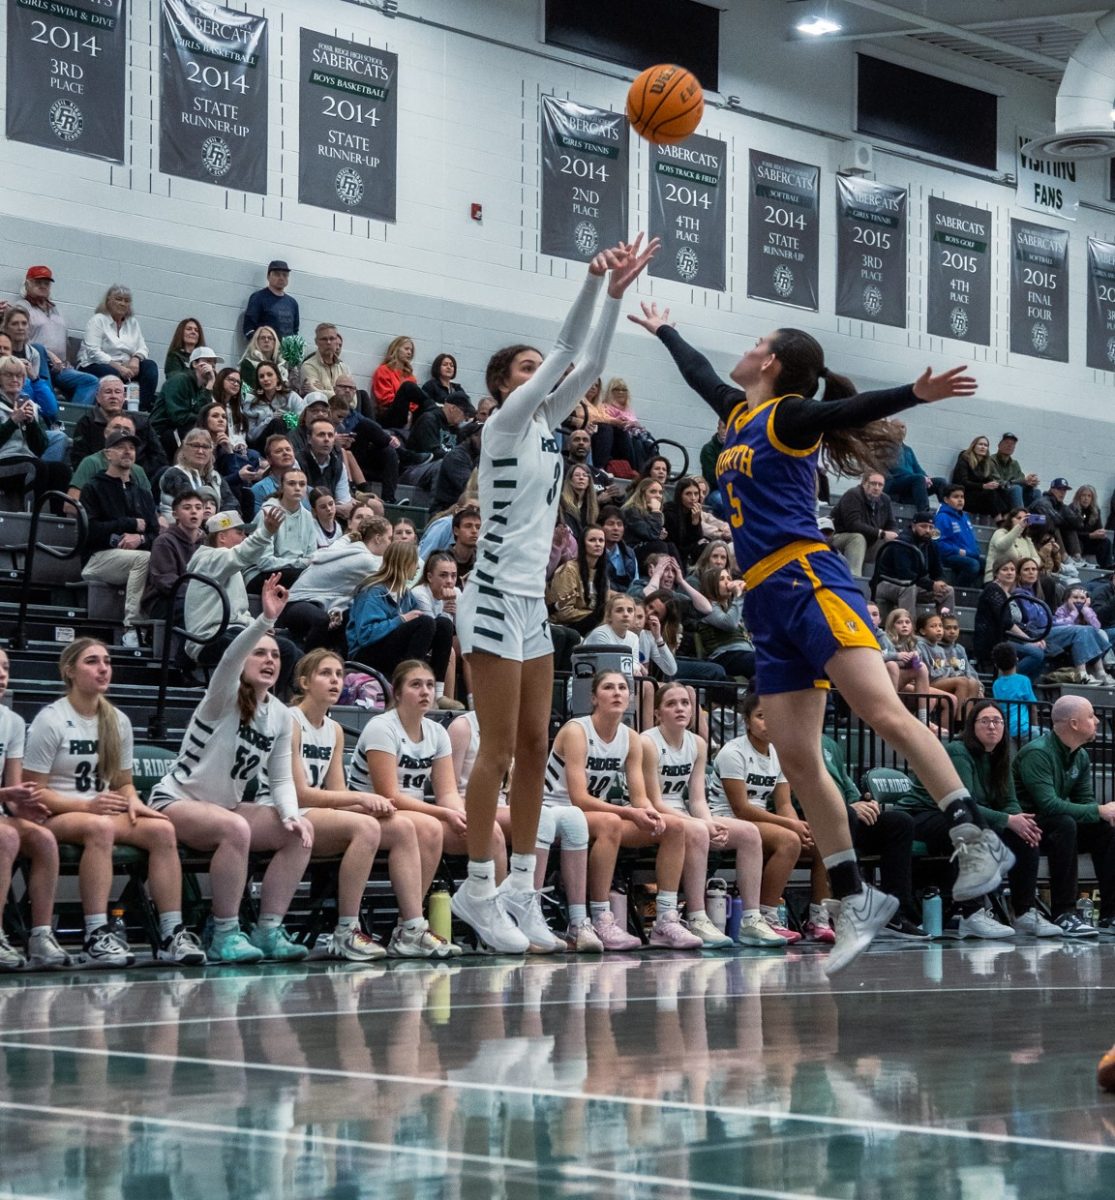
1033, 37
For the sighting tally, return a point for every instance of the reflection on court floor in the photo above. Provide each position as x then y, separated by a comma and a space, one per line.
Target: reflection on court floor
961, 1071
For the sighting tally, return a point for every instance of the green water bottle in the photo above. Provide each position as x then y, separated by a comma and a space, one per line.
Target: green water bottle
441, 916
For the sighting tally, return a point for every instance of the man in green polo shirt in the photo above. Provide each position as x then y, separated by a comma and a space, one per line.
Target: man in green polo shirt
1053, 779
91, 464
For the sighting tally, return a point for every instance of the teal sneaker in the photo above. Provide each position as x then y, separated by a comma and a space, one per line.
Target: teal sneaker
232, 947
276, 944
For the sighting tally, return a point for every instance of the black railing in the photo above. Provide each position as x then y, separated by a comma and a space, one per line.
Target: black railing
34, 546
157, 726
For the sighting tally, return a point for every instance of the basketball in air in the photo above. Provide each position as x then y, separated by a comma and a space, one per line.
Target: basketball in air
665, 103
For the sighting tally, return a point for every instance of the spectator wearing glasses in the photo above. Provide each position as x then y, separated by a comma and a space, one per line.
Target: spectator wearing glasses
864, 520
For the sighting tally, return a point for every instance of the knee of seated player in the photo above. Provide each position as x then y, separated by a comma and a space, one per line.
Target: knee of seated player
38, 844
364, 832
157, 835
696, 835
98, 833
574, 830
232, 832
9, 842
429, 831
605, 827
785, 843
396, 832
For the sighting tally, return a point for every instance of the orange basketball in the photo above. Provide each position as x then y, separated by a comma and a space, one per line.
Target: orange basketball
665, 103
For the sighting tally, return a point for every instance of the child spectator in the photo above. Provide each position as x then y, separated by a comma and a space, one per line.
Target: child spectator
1014, 687
171, 552
324, 509
957, 545
937, 659
959, 663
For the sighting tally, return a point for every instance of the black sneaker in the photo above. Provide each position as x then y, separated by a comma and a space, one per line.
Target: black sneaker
900, 926
1072, 926
1105, 927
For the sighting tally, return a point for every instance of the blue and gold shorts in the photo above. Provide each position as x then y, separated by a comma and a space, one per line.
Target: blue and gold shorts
802, 606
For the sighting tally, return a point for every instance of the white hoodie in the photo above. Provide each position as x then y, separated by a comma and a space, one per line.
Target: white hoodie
334, 574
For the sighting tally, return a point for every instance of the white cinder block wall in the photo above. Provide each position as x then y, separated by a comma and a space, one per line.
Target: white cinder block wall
471, 72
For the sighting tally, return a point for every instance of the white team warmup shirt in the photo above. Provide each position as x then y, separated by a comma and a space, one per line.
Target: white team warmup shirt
13, 733
604, 764
520, 475
740, 760
318, 746
415, 759
220, 755
674, 767
62, 745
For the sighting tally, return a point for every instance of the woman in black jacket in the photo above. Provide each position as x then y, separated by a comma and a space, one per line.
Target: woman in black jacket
982, 493
998, 620
683, 520
442, 386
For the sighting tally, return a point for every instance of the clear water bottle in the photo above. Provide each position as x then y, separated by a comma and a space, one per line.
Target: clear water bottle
716, 902
117, 924
783, 915
1085, 909
932, 914
131, 396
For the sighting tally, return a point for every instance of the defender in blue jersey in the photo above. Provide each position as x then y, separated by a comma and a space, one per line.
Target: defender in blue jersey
807, 617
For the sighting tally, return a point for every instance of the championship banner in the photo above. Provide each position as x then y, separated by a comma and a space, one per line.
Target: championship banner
584, 179
67, 63
783, 231
213, 95
1101, 305
688, 211
1039, 291
347, 127
959, 298
870, 251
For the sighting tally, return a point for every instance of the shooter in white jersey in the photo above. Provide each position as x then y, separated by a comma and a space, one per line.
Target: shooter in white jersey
564, 824
238, 733
22, 832
353, 824
591, 755
674, 762
79, 753
502, 621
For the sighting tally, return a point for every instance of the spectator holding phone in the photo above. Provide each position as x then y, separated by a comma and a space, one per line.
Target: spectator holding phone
1011, 541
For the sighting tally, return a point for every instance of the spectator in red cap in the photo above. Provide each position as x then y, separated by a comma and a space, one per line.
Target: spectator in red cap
271, 305
48, 330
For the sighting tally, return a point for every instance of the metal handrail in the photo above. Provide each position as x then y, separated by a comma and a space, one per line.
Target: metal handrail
157, 727
19, 638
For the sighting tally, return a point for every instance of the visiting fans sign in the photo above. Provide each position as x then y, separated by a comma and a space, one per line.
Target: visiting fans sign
870, 251
783, 231
688, 211
584, 179
67, 63
958, 304
213, 95
347, 127
1039, 291
1101, 305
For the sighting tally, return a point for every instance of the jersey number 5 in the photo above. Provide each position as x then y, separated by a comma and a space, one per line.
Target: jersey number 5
735, 517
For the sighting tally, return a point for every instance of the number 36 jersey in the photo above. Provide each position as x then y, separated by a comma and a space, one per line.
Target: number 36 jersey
62, 745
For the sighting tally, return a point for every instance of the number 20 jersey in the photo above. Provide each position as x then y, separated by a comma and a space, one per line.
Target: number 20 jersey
604, 764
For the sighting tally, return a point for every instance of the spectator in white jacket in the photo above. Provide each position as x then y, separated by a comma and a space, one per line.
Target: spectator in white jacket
113, 345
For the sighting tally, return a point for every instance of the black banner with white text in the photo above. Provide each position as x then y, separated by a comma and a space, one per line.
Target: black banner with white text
67, 63
958, 303
870, 251
213, 95
1039, 291
584, 179
783, 231
688, 211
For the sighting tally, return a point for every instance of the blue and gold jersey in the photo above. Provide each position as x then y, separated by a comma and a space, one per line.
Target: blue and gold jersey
769, 489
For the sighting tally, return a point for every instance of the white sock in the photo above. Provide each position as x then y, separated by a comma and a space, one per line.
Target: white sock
666, 902
818, 914
482, 877
40, 930
696, 914
168, 923
93, 922
226, 924
270, 920
749, 914
577, 913
439, 690
522, 872
597, 908
413, 924
770, 913
344, 924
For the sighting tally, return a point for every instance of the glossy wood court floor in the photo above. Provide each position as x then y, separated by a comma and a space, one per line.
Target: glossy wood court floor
961, 1071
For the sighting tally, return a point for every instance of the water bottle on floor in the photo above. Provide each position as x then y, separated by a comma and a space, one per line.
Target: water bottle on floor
716, 902
1085, 909
931, 912
117, 924
441, 916
735, 916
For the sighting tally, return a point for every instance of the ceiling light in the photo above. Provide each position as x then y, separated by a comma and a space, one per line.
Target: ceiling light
817, 26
